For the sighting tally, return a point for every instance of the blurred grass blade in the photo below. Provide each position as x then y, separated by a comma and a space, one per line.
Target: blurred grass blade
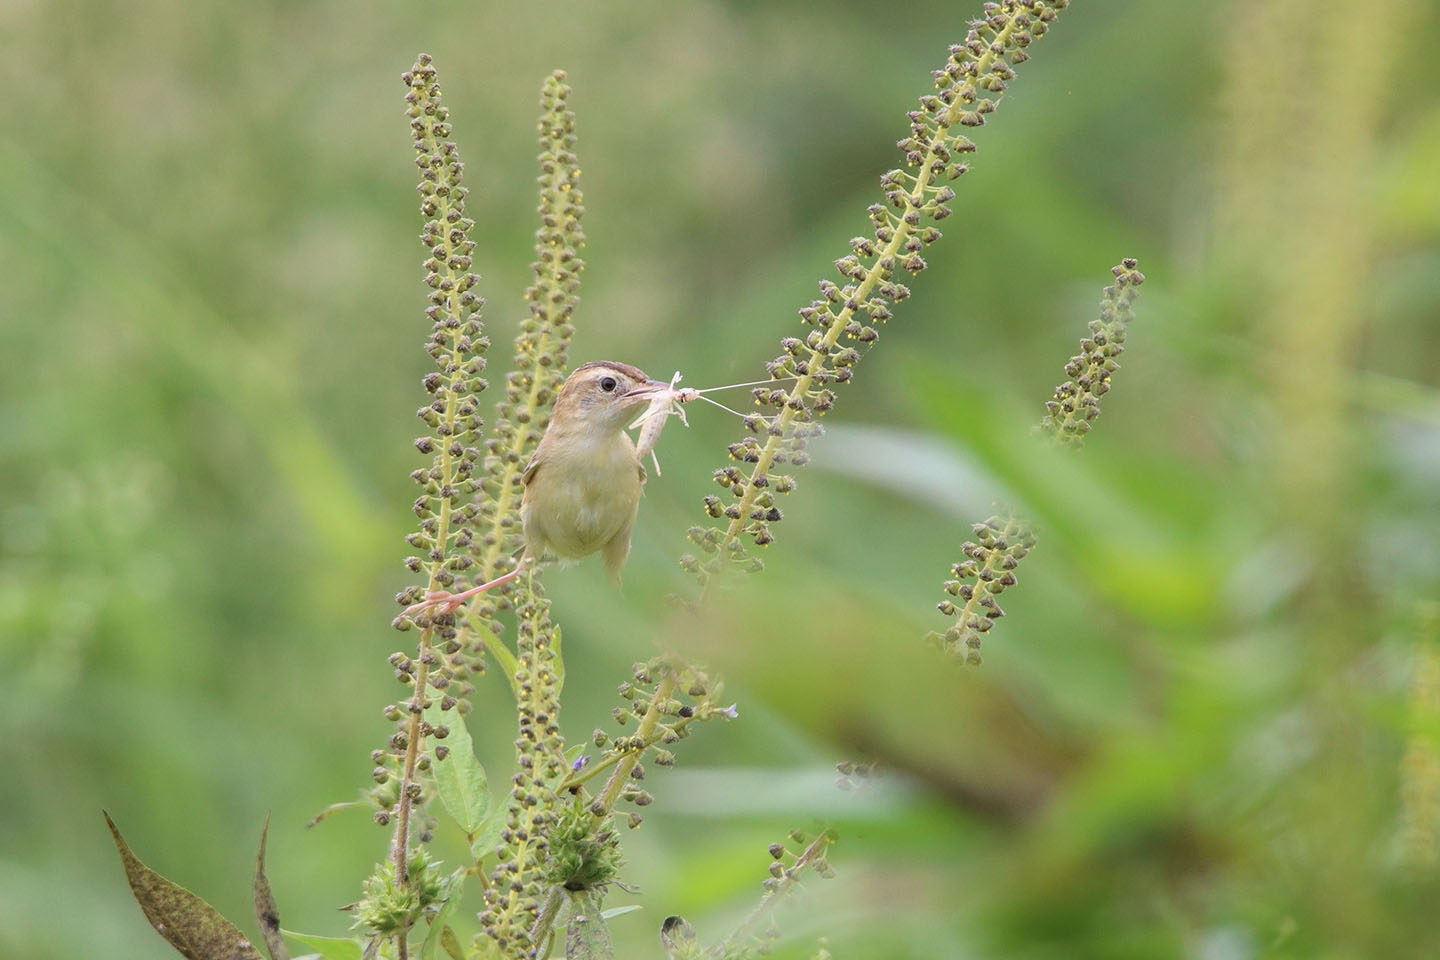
188, 923
335, 808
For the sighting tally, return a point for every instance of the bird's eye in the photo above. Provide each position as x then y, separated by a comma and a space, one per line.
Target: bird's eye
607, 384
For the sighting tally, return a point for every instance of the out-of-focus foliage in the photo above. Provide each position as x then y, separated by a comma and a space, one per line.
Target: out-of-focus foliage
1198, 732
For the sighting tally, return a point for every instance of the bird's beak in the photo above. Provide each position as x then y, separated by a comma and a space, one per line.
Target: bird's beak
649, 388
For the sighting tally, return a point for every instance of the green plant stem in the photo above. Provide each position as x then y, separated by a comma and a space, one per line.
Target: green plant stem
978, 591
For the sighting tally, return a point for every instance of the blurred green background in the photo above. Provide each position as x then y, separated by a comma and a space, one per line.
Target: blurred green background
1198, 733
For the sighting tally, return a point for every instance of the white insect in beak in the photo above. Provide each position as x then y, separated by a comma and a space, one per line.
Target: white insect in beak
664, 402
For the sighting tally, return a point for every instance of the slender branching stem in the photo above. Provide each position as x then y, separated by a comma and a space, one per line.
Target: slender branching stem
742, 934
600, 766
613, 787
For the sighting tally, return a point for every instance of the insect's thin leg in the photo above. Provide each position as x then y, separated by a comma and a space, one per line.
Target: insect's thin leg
722, 407
752, 383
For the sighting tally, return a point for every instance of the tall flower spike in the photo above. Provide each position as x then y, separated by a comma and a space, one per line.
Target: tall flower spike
512, 900
967, 89
457, 345
1077, 400
540, 351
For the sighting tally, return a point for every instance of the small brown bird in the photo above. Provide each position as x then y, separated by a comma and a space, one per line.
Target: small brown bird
583, 483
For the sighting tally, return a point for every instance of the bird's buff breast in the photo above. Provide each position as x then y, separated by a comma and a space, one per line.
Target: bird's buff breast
575, 506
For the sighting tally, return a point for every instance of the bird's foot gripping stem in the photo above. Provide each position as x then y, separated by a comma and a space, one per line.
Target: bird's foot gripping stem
447, 601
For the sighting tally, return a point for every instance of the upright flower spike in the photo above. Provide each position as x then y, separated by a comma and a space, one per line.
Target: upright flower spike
540, 350
457, 344
842, 321
1077, 400
513, 899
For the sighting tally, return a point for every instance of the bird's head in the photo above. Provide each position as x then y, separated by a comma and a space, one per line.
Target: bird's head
604, 394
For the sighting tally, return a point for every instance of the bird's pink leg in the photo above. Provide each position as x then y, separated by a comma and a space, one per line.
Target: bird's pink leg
449, 601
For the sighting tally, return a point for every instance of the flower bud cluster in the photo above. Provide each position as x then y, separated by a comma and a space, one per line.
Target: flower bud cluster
844, 320
540, 351
987, 571
391, 907
457, 344
1077, 400
798, 853
584, 854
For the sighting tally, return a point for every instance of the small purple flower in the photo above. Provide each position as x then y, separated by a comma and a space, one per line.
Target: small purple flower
729, 711
580, 763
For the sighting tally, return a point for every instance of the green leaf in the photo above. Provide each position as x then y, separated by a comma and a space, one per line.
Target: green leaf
267, 914
331, 948
506, 661
454, 884
189, 924
459, 778
614, 912
488, 838
336, 808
